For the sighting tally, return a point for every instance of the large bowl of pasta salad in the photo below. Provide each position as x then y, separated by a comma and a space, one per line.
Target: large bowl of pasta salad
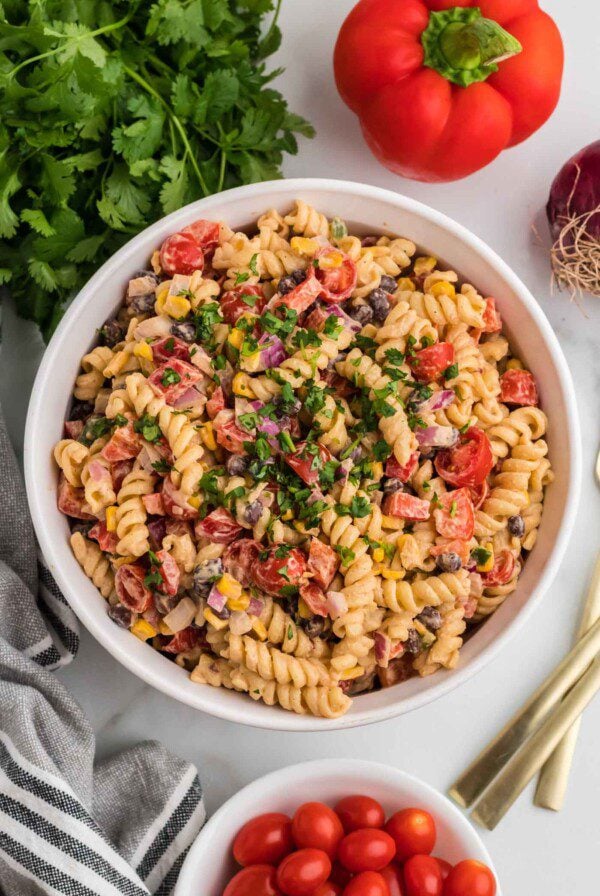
303, 454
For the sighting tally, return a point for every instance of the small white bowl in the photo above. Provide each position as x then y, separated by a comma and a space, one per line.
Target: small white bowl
210, 865
369, 209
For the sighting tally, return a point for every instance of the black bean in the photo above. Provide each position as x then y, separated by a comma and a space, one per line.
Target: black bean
286, 284
380, 303
185, 330
82, 526
431, 618
362, 313
313, 626
516, 526
390, 485
225, 613
147, 273
449, 562
361, 684
121, 615
164, 603
236, 465
80, 410
413, 642
369, 241
388, 284
204, 573
253, 512
143, 304
112, 332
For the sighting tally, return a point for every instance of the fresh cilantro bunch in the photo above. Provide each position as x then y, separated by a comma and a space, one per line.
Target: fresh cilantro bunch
113, 114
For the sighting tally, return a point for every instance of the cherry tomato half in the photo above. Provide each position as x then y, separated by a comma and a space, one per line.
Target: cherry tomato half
303, 871
256, 880
367, 849
469, 462
422, 876
470, 878
369, 883
308, 461
413, 832
392, 875
428, 364
502, 571
264, 839
315, 824
279, 569
359, 811
336, 272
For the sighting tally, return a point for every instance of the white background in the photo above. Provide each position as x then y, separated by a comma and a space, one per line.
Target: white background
535, 851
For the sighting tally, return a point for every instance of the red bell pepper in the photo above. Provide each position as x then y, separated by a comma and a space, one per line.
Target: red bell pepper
441, 87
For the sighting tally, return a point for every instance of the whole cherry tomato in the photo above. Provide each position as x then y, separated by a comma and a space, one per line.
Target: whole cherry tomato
469, 462
392, 875
369, 883
413, 832
303, 871
315, 824
328, 889
181, 253
264, 839
359, 811
367, 849
428, 364
445, 867
470, 878
256, 880
422, 876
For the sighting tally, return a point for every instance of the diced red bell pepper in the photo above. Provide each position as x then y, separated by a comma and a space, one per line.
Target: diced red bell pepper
106, 540
219, 527
406, 507
130, 587
124, 444
323, 562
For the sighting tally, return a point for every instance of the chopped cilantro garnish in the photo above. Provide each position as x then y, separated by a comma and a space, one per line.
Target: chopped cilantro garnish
120, 420
346, 554
332, 327
450, 373
480, 555
358, 508
148, 427
161, 466
94, 429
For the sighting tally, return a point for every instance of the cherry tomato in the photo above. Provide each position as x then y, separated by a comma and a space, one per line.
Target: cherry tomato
456, 517
360, 811
315, 824
181, 253
406, 506
369, 883
413, 832
170, 347
336, 272
422, 876
501, 572
392, 875
182, 641
445, 867
278, 569
107, 541
241, 300
219, 526
492, 322
204, 232
308, 461
169, 571
130, 587
479, 493
367, 849
469, 462
229, 434
518, 387
240, 557
403, 472
429, 363
173, 379
340, 875
314, 598
256, 880
264, 839
470, 878
303, 871
329, 888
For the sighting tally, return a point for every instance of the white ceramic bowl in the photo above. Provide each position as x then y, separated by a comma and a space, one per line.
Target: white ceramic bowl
209, 864
368, 209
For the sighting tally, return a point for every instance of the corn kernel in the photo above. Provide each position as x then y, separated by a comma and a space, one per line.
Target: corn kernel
299, 526
111, 519
331, 260
142, 630
241, 386
405, 283
489, 563
514, 364
121, 561
376, 470
208, 437
391, 522
259, 629
303, 610
163, 628
214, 620
424, 265
394, 574
177, 307
303, 246
442, 288
355, 672
288, 515
143, 350
194, 501
229, 586
235, 338
239, 603
161, 298
251, 363
378, 555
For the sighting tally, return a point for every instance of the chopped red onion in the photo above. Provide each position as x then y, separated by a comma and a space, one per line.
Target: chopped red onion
438, 401
315, 495
255, 607
437, 437
201, 359
337, 604
216, 600
187, 398
272, 352
352, 324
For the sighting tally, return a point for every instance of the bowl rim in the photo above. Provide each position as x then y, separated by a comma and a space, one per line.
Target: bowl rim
333, 768
284, 721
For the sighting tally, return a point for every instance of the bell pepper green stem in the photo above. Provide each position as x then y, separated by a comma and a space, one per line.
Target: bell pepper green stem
464, 47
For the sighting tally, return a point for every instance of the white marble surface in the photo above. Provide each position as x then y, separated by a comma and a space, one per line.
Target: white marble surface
535, 851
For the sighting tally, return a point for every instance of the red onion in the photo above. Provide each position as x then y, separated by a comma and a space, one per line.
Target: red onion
352, 324
573, 212
438, 401
216, 600
272, 352
255, 607
437, 437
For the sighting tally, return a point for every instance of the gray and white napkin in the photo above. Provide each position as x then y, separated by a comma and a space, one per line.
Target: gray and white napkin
70, 826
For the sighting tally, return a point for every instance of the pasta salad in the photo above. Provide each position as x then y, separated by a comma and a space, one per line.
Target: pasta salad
302, 463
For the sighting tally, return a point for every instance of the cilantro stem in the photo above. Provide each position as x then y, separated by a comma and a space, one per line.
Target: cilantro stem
273, 24
71, 39
186, 143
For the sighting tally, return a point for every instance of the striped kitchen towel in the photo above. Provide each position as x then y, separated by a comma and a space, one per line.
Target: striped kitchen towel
70, 826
